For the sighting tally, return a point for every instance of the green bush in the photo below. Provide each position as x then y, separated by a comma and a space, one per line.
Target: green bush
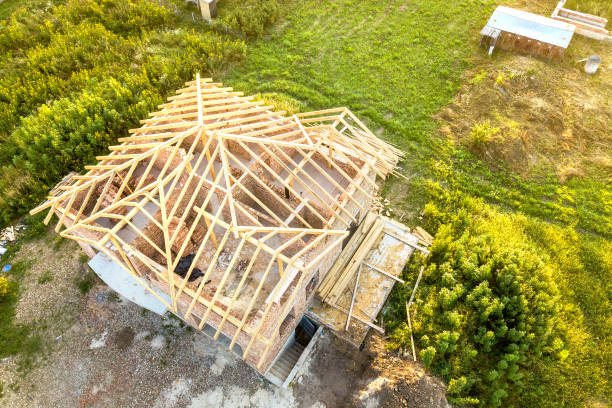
482, 133
487, 309
64, 135
250, 17
78, 76
5, 288
119, 16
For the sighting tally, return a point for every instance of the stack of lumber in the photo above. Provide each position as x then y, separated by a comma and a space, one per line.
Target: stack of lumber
342, 272
425, 237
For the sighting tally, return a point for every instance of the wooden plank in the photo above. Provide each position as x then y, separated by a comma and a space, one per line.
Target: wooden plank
412, 244
350, 312
340, 264
367, 323
356, 260
387, 274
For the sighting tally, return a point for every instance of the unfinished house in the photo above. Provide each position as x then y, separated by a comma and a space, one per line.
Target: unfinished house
234, 216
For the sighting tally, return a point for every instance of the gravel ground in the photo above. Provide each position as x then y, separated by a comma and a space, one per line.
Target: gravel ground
103, 351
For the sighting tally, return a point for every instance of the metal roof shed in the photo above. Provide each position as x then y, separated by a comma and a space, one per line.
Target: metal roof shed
519, 30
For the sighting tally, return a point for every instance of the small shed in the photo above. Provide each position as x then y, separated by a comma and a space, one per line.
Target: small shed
522, 31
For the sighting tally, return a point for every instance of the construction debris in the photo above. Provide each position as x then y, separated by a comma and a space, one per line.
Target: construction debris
425, 236
352, 294
587, 25
8, 234
518, 30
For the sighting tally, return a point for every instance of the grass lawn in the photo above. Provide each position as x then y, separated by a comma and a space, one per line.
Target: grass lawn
394, 65
398, 65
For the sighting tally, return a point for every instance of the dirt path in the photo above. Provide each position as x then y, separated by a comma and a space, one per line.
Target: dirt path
106, 351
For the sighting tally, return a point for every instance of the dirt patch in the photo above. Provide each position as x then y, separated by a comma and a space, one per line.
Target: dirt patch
424, 392
340, 375
110, 352
47, 290
399, 381
123, 338
534, 114
335, 372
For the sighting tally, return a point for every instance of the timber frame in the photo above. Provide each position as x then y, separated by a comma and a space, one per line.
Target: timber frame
262, 200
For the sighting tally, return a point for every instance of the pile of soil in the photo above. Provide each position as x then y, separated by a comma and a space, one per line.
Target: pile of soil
406, 384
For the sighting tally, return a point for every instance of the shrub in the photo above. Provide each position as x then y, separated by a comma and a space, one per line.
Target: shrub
64, 135
487, 308
482, 133
4, 287
251, 17
119, 16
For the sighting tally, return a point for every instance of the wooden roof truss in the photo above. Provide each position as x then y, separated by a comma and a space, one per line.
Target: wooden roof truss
216, 174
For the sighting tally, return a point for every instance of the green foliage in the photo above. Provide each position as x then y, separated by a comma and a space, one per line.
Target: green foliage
250, 17
86, 282
483, 133
478, 78
280, 102
78, 76
45, 277
490, 305
16, 339
119, 16
71, 131
496, 313
35, 227
5, 288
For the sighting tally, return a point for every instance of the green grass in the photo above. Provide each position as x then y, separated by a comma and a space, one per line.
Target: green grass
86, 282
396, 65
45, 277
16, 338
381, 61
601, 8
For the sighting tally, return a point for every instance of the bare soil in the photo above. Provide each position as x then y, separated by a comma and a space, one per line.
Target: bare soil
547, 115
105, 351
